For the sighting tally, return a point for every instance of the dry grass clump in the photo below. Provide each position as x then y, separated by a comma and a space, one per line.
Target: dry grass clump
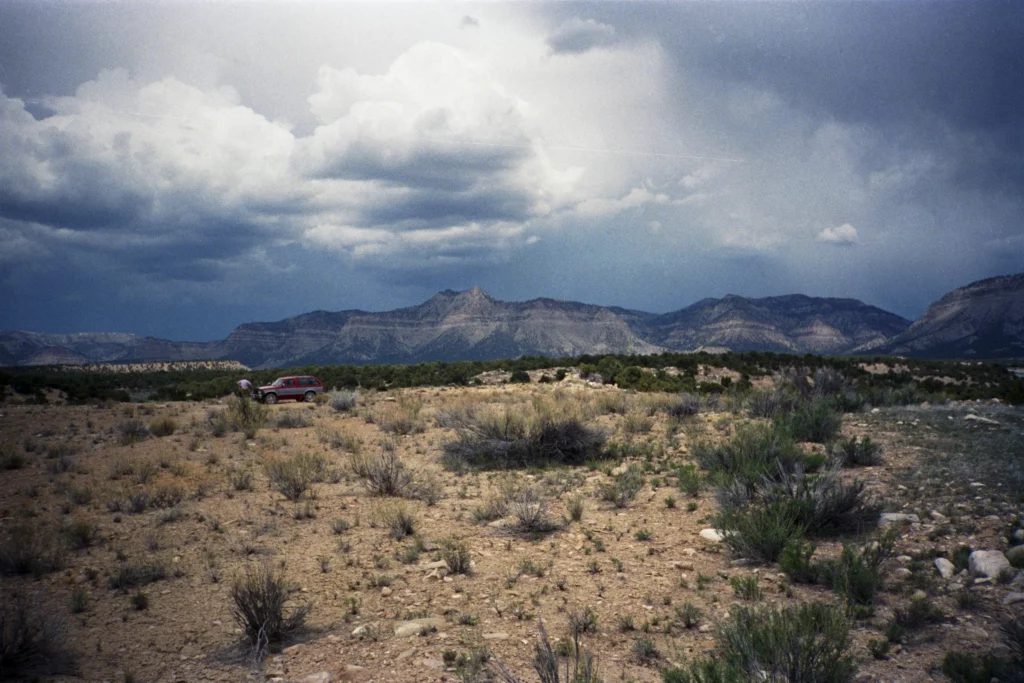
293, 419
293, 477
399, 417
164, 426
259, 600
31, 549
31, 642
343, 401
530, 510
132, 431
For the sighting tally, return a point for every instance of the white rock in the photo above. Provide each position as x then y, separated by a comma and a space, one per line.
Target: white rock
1013, 598
987, 563
898, 518
414, 626
712, 535
946, 568
902, 573
318, 677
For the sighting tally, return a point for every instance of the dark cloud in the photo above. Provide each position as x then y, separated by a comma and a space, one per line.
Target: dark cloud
579, 35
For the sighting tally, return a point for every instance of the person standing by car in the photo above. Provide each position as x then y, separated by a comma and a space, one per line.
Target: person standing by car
244, 387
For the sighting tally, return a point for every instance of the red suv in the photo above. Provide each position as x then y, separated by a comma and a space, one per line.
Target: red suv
301, 388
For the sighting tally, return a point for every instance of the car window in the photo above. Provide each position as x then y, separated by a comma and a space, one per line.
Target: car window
278, 382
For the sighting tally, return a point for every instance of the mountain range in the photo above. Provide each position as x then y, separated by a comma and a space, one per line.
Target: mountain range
982, 320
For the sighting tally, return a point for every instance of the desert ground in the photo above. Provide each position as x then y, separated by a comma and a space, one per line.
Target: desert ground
158, 510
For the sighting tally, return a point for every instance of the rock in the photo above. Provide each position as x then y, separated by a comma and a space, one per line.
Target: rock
898, 518
318, 677
406, 654
987, 563
414, 626
705, 628
902, 573
1015, 556
360, 631
434, 565
946, 568
351, 672
495, 636
978, 418
1018, 535
385, 592
904, 559
619, 471
711, 535
937, 516
1013, 598
919, 595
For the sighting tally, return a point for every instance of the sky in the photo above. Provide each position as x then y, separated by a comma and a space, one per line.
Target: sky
176, 169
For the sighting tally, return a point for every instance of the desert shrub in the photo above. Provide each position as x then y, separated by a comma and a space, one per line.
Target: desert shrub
219, 422
167, 496
689, 615
293, 477
856, 574
746, 587
529, 507
493, 508
853, 453
240, 480
828, 382
259, 608
164, 426
456, 554
293, 419
755, 452
690, 480
917, 614
398, 418
30, 549
132, 431
636, 423
246, 415
623, 490
399, 521
808, 643
428, 487
687, 406
81, 534
387, 475
705, 670
961, 667
519, 377
816, 420
761, 532
11, 459
770, 404
343, 401
136, 575
510, 442
140, 601
795, 561
575, 506
32, 642
644, 651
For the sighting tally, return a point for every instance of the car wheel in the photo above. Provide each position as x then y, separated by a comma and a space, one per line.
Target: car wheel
270, 398
309, 397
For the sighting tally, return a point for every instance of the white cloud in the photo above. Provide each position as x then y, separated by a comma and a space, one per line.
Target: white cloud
844, 234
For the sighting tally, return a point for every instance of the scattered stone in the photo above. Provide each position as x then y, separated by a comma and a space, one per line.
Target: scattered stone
360, 631
919, 595
937, 516
712, 535
978, 418
318, 677
1013, 598
705, 628
386, 591
987, 563
946, 568
904, 559
406, 654
414, 626
1018, 535
496, 636
902, 573
898, 518
435, 565
351, 672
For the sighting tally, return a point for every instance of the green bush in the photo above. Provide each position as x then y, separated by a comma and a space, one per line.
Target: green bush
29, 549
293, 419
246, 415
795, 561
856, 575
292, 477
755, 452
623, 490
817, 421
853, 453
760, 533
808, 643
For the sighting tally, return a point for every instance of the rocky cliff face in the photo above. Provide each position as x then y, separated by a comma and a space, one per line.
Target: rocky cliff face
985, 319
785, 324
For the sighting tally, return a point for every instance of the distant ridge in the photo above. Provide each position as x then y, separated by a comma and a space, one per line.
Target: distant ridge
983, 320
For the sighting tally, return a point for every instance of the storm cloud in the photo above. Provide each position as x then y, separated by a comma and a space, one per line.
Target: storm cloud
179, 169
